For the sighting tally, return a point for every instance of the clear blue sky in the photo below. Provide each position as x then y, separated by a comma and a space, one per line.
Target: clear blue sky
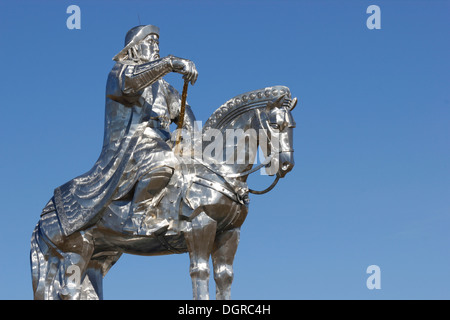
372, 178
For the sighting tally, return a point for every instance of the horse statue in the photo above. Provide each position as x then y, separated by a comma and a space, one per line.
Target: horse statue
200, 211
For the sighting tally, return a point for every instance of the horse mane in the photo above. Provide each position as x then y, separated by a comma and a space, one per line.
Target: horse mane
242, 103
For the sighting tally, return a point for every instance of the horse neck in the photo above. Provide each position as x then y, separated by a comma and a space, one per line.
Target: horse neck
241, 143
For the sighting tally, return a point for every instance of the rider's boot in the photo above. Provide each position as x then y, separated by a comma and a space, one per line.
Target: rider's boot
142, 219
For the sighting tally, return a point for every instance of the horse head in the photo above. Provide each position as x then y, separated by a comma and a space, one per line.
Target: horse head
279, 125
268, 110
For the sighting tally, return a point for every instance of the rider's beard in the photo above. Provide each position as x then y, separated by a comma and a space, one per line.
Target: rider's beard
154, 56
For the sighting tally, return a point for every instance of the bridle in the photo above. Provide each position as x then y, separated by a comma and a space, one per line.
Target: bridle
264, 125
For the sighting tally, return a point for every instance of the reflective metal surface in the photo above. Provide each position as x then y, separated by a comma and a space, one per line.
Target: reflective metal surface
143, 198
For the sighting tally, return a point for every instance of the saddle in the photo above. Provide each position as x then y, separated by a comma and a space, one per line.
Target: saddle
168, 211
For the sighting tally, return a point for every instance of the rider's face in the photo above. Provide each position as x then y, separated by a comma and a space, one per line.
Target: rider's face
149, 48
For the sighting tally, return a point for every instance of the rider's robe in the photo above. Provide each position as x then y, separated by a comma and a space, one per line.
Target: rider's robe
135, 142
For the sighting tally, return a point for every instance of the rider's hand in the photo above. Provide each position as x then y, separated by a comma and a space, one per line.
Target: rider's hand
186, 67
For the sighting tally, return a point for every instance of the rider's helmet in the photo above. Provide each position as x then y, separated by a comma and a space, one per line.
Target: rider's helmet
134, 36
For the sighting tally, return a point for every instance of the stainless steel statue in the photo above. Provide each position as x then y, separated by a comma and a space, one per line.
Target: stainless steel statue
142, 197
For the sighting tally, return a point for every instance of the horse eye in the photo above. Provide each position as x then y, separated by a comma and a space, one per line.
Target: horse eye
275, 125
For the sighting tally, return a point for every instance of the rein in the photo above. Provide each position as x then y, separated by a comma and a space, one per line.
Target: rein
265, 163
274, 183
248, 172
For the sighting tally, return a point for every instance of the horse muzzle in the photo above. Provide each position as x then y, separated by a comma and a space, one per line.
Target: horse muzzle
286, 163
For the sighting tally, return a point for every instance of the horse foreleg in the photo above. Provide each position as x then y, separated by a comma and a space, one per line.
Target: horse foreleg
223, 254
92, 286
99, 265
199, 236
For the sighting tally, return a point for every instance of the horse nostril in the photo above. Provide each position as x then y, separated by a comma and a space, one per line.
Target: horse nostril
286, 166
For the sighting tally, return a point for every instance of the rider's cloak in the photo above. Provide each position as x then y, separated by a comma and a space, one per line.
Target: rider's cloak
135, 142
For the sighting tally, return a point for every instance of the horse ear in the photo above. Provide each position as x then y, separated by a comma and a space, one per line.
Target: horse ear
275, 103
293, 104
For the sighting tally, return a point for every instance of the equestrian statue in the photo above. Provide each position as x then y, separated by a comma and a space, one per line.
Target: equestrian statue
157, 192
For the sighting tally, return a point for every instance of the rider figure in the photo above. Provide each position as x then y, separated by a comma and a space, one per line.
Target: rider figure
136, 161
